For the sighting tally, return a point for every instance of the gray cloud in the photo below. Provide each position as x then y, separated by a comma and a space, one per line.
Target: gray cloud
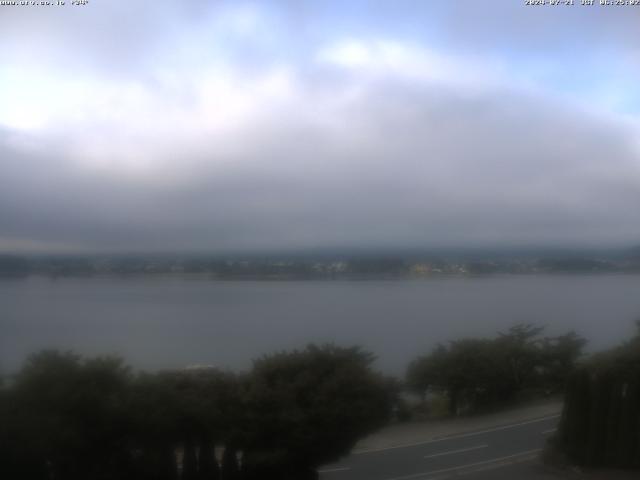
426, 168
258, 147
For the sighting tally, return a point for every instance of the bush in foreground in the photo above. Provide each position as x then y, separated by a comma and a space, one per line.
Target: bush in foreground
64, 417
600, 425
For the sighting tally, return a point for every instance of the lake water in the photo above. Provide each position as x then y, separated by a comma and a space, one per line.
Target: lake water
158, 322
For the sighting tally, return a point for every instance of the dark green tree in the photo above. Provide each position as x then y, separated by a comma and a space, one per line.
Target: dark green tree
186, 409
69, 417
230, 467
600, 424
481, 373
520, 348
207, 465
309, 407
559, 357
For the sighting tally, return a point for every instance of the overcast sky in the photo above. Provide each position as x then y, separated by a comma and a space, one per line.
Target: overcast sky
191, 125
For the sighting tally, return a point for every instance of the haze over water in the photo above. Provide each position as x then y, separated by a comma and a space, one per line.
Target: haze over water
163, 322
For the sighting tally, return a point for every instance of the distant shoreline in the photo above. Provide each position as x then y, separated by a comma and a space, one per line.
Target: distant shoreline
303, 278
311, 268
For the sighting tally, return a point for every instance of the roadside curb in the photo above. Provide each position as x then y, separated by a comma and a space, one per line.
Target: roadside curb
427, 432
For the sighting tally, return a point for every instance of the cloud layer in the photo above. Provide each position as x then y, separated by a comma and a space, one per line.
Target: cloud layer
176, 126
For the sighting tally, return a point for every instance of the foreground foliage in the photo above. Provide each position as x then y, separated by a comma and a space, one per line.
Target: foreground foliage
600, 426
479, 373
65, 418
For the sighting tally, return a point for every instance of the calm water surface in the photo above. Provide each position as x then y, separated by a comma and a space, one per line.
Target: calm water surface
174, 322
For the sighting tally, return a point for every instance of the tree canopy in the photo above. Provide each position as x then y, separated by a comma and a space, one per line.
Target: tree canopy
311, 406
600, 424
477, 372
64, 417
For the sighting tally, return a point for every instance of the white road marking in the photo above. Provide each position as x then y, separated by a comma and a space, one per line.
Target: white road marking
455, 437
332, 470
451, 452
551, 430
467, 466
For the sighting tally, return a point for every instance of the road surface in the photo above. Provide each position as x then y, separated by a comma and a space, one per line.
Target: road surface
504, 452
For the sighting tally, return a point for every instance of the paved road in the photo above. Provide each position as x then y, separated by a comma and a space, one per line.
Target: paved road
509, 451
